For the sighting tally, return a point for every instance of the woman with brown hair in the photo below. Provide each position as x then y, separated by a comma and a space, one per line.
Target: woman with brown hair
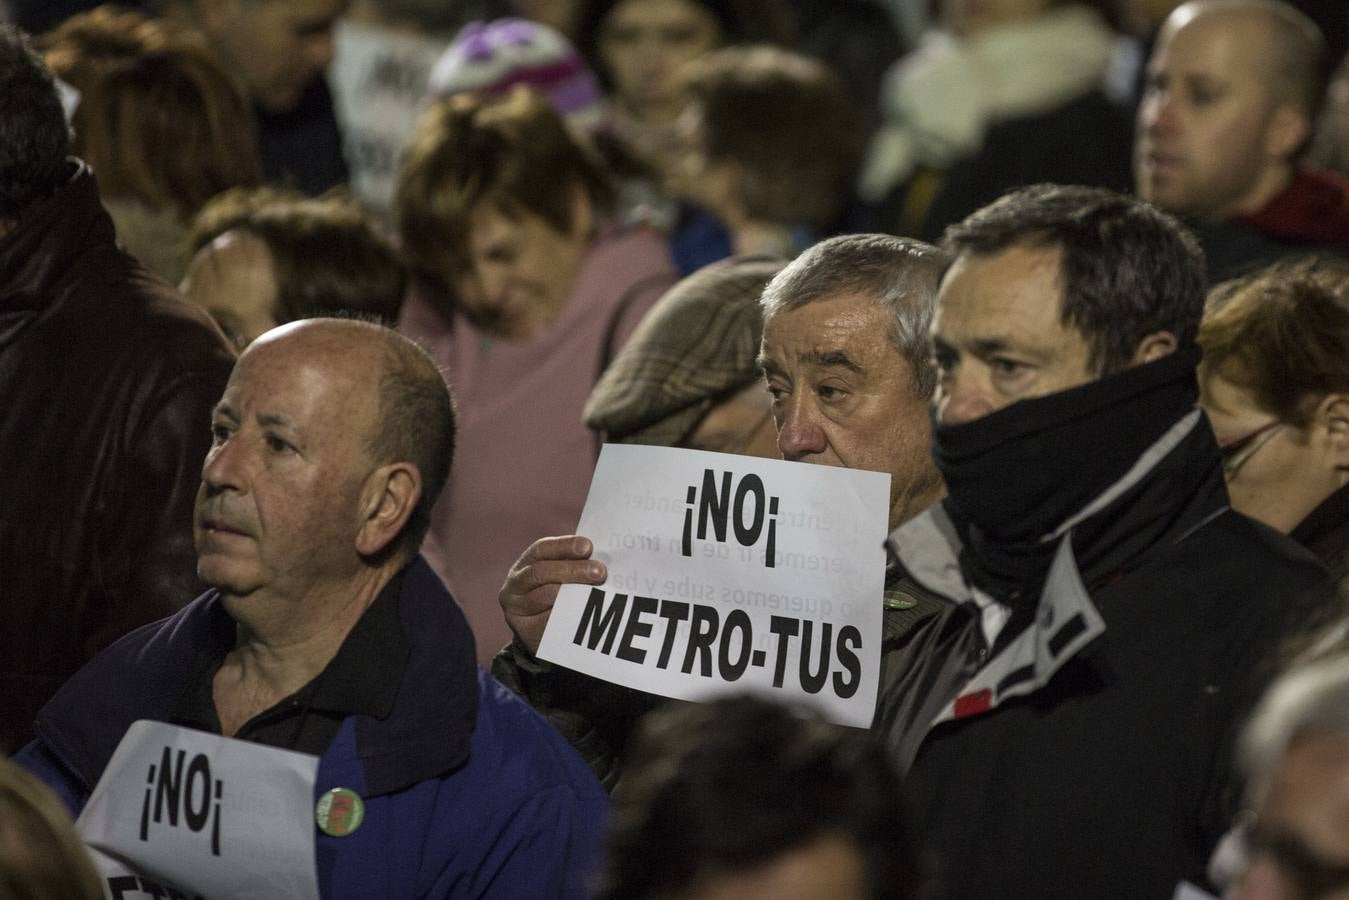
162, 124
525, 287
1275, 384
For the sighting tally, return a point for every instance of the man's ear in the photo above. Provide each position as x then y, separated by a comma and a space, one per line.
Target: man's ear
1287, 130
387, 501
1153, 347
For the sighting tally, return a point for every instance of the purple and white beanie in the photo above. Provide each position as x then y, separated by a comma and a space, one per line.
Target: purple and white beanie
493, 57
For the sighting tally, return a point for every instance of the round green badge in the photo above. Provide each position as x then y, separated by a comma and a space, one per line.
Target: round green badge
339, 812
900, 600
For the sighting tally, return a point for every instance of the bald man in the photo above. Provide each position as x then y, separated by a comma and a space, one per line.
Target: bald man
1233, 87
325, 633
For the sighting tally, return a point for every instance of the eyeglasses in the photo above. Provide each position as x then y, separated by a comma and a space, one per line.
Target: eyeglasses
1309, 874
1236, 453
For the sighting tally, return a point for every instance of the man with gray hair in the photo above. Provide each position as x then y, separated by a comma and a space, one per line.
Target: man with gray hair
848, 367
848, 363
1233, 89
1291, 841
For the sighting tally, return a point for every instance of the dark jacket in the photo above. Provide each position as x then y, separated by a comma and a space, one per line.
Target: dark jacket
1085, 141
467, 792
600, 719
1325, 532
1310, 216
107, 379
1099, 765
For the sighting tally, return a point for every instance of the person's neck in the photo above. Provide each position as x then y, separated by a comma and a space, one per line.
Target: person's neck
1273, 182
922, 496
274, 657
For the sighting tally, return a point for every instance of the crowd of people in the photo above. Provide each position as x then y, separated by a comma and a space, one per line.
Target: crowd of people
315, 314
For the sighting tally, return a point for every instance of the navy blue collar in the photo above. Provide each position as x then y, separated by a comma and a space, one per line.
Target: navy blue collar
427, 733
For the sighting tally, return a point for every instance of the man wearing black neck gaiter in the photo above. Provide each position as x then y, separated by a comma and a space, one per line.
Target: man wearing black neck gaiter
1067, 721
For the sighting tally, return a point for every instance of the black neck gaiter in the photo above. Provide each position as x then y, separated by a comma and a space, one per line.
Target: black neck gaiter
1015, 475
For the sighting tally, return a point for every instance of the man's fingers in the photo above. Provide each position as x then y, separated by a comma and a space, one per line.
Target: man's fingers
555, 572
569, 546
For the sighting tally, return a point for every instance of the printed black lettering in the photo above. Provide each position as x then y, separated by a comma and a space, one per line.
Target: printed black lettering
770, 553
198, 773
145, 803
714, 505
153, 888
215, 822
736, 622
636, 628
673, 613
748, 534
121, 885
598, 619
785, 629
169, 786
686, 544
702, 632
848, 639
813, 682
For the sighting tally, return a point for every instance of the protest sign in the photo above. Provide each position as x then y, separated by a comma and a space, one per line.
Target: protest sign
184, 813
727, 574
378, 81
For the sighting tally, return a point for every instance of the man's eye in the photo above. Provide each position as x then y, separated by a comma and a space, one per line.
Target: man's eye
829, 393
278, 445
219, 434
1008, 368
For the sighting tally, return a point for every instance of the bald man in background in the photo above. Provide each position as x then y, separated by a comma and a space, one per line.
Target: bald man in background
1233, 88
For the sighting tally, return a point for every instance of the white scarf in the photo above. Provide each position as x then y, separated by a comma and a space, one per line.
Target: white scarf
938, 102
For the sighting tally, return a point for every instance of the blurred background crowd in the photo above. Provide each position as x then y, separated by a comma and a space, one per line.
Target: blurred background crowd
574, 206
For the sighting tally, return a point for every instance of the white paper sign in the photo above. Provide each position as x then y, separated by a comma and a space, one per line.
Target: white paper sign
730, 574
200, 815
378, 81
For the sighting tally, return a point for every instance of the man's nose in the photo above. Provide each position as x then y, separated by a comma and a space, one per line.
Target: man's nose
223, 466
1156, 114
799, 431
962, 398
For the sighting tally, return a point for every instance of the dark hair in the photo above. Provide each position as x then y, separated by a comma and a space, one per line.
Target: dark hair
787, 123
736, 783
34, 137
900, 274
514, 151
1128, 269
416, 424
1283, 334
591, 19
327, 255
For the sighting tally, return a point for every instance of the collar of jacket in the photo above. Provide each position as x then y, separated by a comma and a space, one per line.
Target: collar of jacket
1065, 619
48, 239
428, 733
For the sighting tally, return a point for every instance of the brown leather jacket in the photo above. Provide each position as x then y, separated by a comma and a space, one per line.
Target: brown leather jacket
107, 378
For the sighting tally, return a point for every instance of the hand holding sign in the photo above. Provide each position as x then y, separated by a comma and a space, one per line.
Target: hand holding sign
725, 573
531, 588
